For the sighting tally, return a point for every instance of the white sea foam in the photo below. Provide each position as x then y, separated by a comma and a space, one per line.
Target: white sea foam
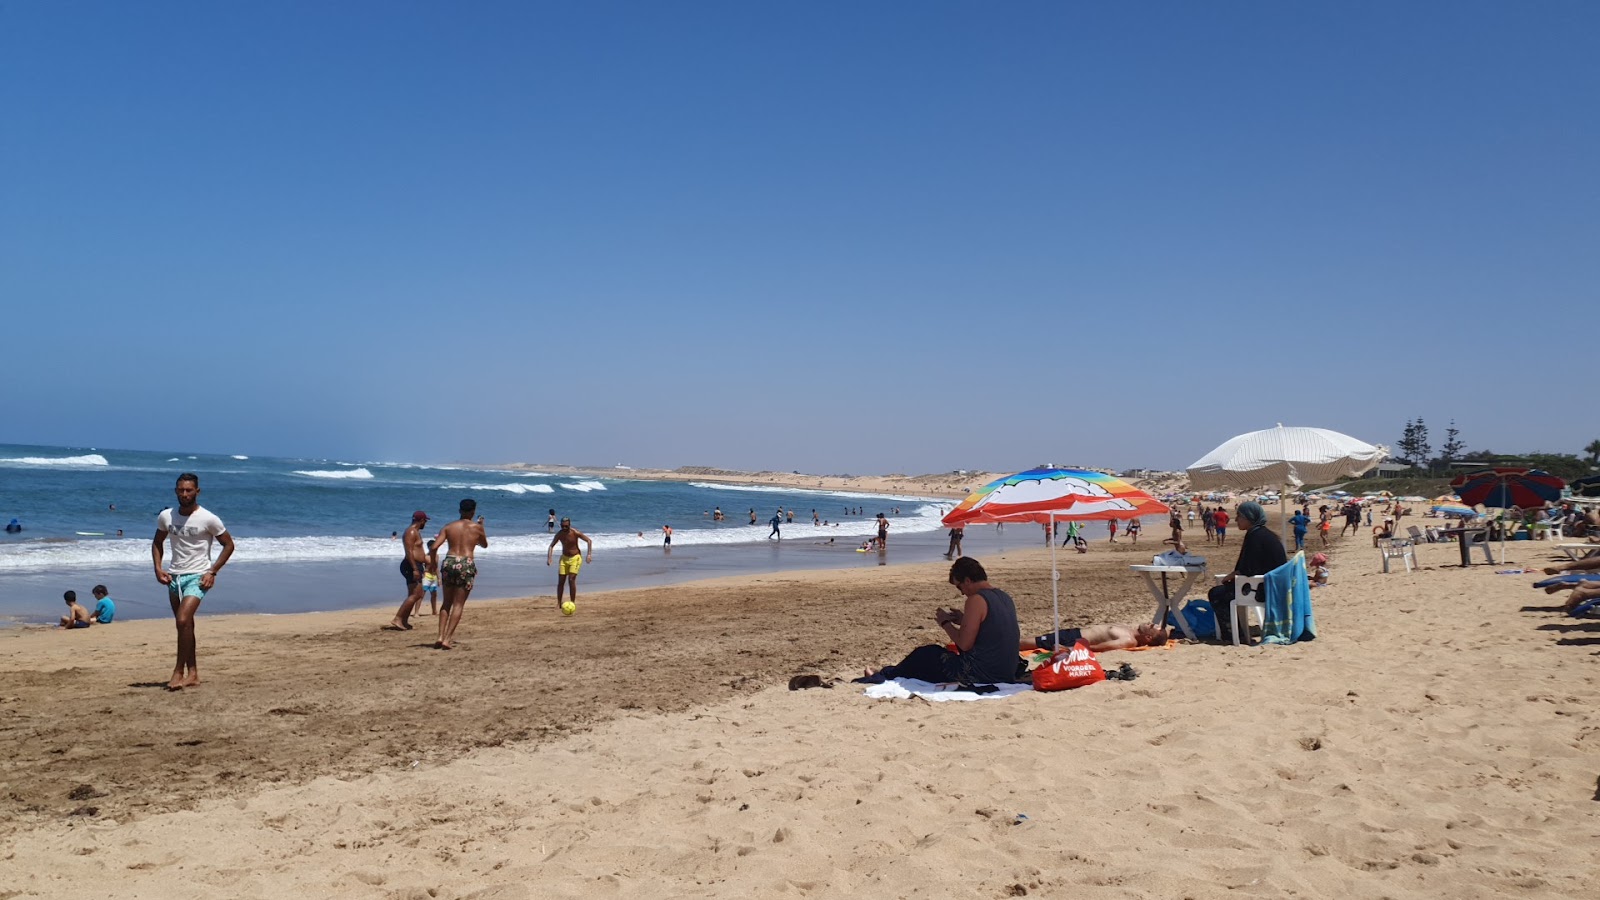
851, 495
30, 556
513, 488
334, 473
584, 486
91, 460
172, 459
237, 456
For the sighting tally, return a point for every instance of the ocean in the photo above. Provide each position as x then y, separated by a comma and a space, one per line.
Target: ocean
315, 534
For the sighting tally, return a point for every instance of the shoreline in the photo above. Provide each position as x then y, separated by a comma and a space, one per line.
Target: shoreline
936, 486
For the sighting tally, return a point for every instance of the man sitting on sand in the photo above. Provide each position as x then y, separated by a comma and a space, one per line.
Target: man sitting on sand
77, 616
1101, 637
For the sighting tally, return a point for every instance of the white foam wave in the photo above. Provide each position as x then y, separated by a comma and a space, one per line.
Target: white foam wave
817, 492
172, 459
237, 456
334, 473
513, 488
78, 462
584, 486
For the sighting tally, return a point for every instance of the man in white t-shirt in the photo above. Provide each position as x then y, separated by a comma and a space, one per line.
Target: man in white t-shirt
191, 530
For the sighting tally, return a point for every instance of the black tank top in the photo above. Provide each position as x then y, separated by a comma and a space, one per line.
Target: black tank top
993, 657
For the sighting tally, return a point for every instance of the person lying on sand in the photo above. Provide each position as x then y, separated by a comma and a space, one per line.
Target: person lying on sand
1583, 591
1101, 637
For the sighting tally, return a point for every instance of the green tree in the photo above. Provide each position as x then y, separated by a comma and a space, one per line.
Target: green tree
1424, 451
1453, 447
1594, 452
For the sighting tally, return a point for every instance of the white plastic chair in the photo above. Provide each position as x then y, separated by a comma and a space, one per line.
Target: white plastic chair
1401, 550
1247, 595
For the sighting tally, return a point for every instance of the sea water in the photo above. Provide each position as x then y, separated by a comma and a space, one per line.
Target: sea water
316, 534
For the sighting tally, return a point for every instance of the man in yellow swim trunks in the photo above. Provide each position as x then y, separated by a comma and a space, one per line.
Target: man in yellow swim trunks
571, 561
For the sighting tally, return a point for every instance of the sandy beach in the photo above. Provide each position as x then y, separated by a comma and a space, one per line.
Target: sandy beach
947, 484
1439, 740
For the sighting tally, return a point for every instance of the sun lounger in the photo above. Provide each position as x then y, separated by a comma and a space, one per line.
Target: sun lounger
1570, 578
1578, 551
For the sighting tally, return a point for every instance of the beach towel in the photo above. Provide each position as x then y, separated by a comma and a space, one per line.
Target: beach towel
1288, 595
906, 688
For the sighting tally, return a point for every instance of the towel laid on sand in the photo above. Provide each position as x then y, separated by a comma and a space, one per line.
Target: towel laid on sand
906, 688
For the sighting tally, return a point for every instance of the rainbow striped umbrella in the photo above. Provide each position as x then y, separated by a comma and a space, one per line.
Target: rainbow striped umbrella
1048, 496
1053, 495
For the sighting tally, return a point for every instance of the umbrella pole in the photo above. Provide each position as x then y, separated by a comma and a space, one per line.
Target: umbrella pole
1055, 579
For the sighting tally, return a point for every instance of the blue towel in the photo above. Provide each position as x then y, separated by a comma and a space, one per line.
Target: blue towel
1288, 594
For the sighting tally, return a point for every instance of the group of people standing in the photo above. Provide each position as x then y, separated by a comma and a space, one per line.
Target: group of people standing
458, 571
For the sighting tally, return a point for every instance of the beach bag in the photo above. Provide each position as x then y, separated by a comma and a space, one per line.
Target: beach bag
1198, 613
1075, 668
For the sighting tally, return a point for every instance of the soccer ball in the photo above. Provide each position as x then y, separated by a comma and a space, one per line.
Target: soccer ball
568, 608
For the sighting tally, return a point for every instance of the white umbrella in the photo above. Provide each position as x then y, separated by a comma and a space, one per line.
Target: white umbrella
1290, 457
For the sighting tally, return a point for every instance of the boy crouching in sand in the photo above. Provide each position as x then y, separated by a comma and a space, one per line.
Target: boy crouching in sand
77, 616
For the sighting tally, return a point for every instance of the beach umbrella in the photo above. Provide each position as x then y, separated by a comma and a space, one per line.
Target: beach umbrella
1291, 457
1457, 510
1508, 488
1586, 487
1048, 496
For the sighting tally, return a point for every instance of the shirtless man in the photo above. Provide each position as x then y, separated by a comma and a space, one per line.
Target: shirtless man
571, 559
883, 532
413, 566
459, 569
1101, 637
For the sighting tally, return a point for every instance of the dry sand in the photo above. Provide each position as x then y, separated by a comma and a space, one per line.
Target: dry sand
1439, 740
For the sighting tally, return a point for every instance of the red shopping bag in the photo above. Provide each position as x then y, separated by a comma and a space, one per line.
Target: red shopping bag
1075, 668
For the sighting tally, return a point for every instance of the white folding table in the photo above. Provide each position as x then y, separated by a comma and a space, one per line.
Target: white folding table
1169, 602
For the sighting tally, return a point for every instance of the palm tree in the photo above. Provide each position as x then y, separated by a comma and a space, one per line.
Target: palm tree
1594, 452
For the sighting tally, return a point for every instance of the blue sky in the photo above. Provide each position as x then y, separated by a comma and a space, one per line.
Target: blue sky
827, 236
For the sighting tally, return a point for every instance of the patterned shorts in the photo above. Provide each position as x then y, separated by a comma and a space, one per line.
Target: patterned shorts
458, 571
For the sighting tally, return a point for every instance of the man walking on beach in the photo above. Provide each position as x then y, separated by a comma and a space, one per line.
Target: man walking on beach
775, 521
459, 570
191, 529
571, 560
412, 567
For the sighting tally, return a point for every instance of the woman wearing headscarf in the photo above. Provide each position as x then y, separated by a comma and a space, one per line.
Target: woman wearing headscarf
1260, 553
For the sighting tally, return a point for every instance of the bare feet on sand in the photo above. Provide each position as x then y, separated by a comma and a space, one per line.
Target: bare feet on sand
397, 625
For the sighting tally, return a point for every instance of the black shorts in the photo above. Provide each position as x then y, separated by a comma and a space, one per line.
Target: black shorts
409, 573
1065, 637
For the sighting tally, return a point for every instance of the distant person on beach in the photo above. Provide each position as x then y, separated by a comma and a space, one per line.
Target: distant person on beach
550, 521
571, 561
752, 515
815, 521
459, 570
1221, 518
789, 516
1299, 522
1113, 525
1175, 525
1208, 518
1260, 552
775, 521
1352, 520
1101, 637
984, 631
105, 608
956, 534
191, 529
413, 566
77, 616
666, 536
1133, 530
883, 531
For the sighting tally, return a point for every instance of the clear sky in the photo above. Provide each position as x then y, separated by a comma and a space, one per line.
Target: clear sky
834, 237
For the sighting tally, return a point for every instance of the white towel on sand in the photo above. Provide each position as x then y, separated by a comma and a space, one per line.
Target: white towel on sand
906, 688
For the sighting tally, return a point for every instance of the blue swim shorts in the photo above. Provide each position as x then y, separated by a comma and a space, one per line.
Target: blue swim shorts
186, 586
